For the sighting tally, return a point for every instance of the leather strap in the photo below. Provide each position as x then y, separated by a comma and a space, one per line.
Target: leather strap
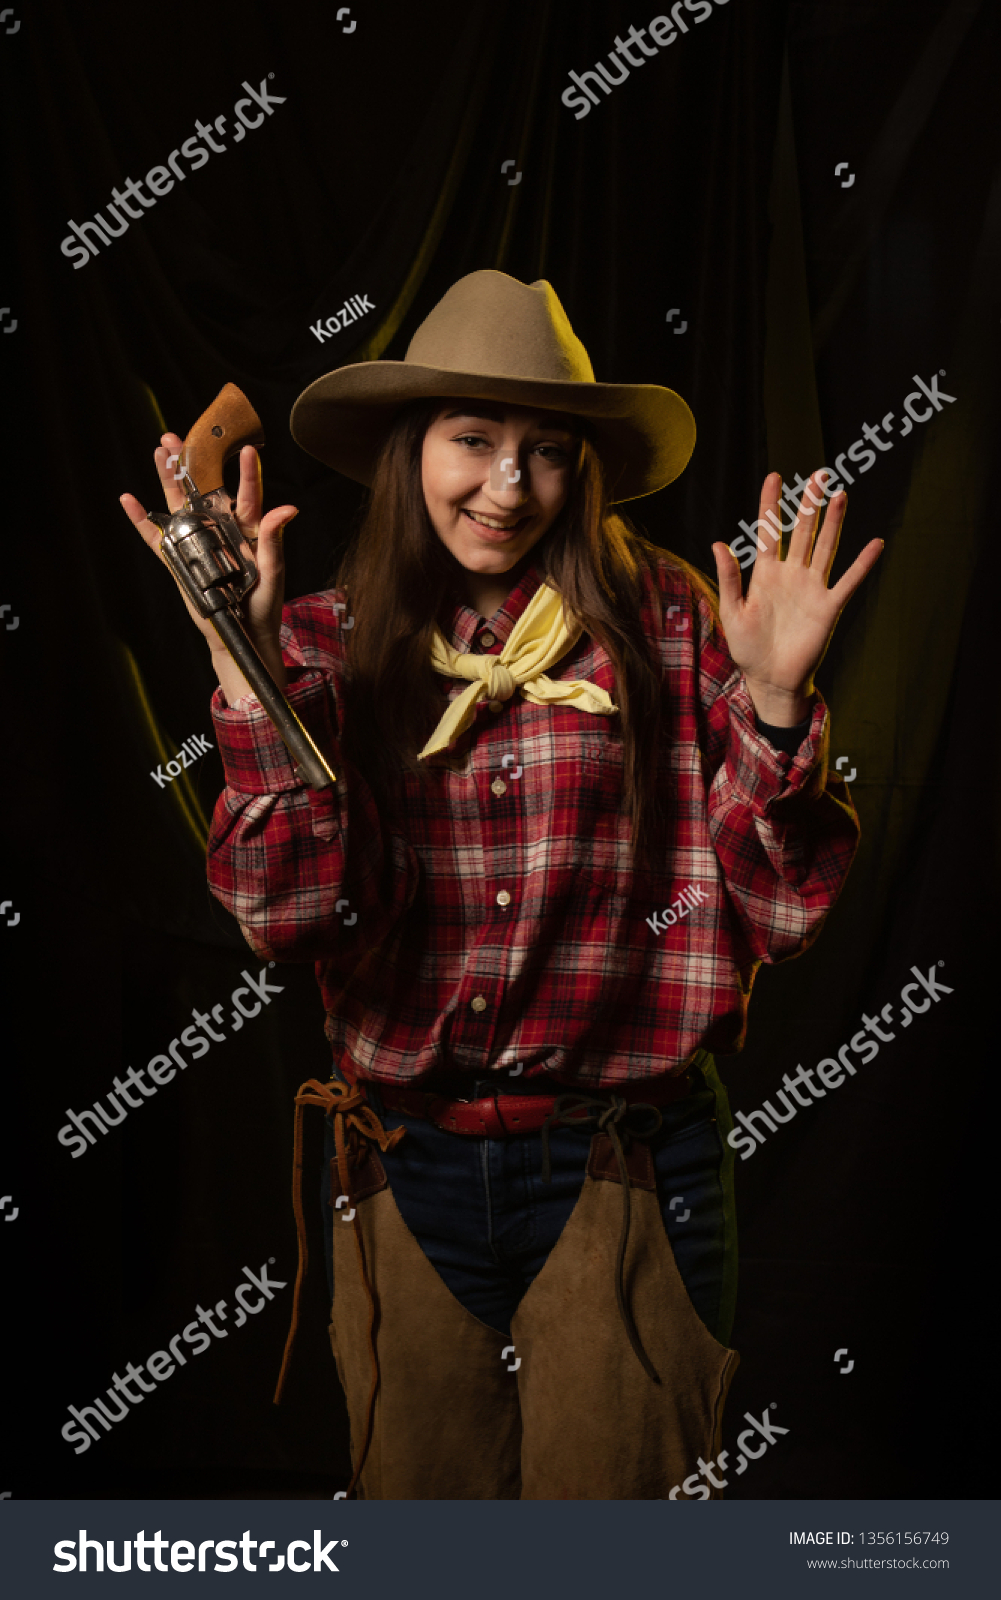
356, 1129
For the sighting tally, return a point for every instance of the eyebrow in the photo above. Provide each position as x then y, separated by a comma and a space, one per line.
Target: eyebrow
496, 414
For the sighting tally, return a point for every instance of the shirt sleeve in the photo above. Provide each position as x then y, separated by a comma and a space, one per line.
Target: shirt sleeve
310, 875
784, 828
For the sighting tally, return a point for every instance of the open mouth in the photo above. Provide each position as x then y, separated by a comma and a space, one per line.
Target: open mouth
494, 524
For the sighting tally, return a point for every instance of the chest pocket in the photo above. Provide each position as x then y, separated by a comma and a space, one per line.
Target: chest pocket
603, 851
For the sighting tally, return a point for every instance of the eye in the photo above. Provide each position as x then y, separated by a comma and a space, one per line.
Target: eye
552, 452
468, 438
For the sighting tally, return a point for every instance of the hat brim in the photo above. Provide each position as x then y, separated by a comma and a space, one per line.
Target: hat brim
645, 434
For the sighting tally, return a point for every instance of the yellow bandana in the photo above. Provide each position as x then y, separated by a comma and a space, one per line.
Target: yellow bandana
538, 640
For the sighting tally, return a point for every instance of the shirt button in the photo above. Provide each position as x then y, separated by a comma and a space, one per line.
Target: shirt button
487, 639
498, 786
495, 705
503, 898
478, 1004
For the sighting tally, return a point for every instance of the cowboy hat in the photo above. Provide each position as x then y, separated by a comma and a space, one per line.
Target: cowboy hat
491, 337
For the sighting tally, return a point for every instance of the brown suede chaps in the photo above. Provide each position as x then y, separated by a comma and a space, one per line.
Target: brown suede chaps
560, 1410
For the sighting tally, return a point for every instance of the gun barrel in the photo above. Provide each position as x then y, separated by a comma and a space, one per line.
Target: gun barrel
311, 764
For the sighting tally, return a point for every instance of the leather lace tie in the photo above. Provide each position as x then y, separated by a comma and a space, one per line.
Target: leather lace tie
576, 1111
354, 1123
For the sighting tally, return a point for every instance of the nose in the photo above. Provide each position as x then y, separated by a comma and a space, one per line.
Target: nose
508, 477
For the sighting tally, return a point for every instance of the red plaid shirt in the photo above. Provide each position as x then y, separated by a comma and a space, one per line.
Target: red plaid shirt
495, 917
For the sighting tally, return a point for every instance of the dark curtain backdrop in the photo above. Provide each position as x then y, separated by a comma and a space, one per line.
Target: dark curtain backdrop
705, 183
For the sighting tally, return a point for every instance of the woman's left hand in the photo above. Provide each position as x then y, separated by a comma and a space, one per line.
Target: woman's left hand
778, 633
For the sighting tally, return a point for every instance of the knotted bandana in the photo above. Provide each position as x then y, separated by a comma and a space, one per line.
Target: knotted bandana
538, 640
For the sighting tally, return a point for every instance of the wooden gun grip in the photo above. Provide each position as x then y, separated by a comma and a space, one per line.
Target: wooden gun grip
225, 427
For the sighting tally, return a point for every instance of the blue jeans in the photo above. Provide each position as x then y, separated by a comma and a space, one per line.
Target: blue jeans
487, 1221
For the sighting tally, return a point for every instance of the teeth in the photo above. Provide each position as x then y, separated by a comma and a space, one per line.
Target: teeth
492, 522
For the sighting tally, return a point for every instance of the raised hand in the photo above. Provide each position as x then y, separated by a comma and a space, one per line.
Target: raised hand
778, 633
263, 534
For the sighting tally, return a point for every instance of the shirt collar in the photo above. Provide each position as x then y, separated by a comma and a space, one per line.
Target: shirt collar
467, 626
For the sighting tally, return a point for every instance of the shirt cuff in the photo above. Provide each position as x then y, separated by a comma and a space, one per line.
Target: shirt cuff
254, 757
761, 773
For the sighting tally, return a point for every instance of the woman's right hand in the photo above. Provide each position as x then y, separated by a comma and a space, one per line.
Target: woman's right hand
262, 608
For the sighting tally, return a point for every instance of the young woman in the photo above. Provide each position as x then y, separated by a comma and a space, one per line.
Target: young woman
578, 803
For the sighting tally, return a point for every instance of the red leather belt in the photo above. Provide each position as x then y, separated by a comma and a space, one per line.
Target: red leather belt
504, 1114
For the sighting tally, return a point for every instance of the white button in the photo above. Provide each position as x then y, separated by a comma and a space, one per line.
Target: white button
479, 1004
503, 898
498, 786
487, 639
495, 705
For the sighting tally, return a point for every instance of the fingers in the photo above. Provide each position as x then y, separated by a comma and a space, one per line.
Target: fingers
805, 526
277, 519
168, 469
249, 496
152, 536
165, 458
137, 516
813, 543
728, 573
826, 547
769, 536
859, 569
263, 536
269, 554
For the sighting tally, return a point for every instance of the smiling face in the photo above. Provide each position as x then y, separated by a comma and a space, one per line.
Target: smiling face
496, 476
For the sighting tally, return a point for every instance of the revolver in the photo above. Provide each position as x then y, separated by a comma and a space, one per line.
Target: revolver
205, 550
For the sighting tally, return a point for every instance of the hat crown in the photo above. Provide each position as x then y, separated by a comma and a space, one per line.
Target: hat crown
491, 324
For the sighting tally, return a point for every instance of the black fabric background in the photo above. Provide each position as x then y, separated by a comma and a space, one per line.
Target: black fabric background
705, 182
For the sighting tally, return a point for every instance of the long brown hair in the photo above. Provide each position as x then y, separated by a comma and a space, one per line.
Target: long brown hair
400, 578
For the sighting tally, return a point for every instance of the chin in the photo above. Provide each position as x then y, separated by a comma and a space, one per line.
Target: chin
489, 561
